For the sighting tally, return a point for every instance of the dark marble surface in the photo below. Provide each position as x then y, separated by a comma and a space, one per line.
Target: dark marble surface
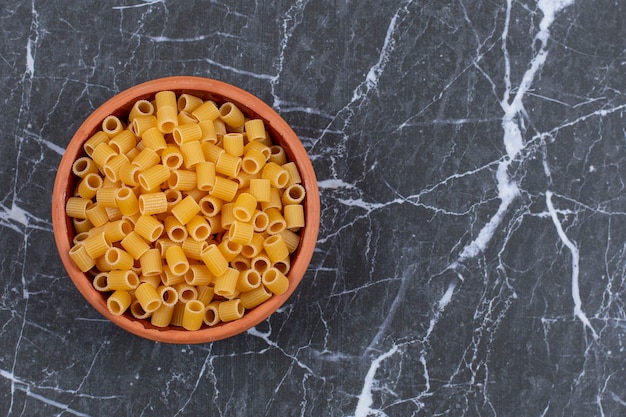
472, 252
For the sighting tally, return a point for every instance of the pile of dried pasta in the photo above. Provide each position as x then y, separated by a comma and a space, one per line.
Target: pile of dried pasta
186, 214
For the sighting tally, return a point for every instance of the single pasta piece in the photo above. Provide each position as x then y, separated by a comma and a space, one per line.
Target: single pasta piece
126, 201
260, 220
260, 188
81, 258
175, 230
100, 282
255, 130
228, 165
244, 208
112, 125
150, 262
229, 248
193, 315
169, 278
141, 108
248, 280
96, 245
148, 297
211, 314
260, 262
118, 302
135, 245
214, 260
255, 297
186, 292
123, 280
153, 138
123, 142
205, 294
146, 158
177, 315
92, 143
231, 310
176, 260
192, 154
226, 284
149, 227
293, 194
292, 239
241, 232
205, 175
206, 111
274, 201
129, 174
162, 317
294, 216
294, 174
277, 222
152, 203
278, 155
198, 275
97, 215
186, 133
224, 189
231, 115
188, 102
199, 229
254, 247
275, 281
116, 258
278, 176
193, 248
182, 179
233, 144
102, 153
141, 124
185, 209
89, 185
275, 248
76, 207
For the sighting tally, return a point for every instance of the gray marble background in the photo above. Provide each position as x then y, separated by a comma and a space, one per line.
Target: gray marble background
472, 251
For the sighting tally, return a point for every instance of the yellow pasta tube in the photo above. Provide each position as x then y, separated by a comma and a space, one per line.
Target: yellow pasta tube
240, 232
149, 227
231, 115
112, 167
205, 294
129, 174
199, 229
292, 239
293, 194
225, 285
100, 282
187, 133
182, 179
89, 185
150, 263
260, 262
260, 146
205, 175
152, 203
211, 151
165, 98
167, 118
240, 262
141, 124
260, 221
185, 118
193, 248
229, 249
275, 248
185, 209
123, 142
126, 201
92, 143
294, 174
102, 154
153, 177
206, 111
233, 144
188, 102
162, 317
116, 230
112, 125
177, 315
148, 297
255, 297
255, 129
146, 158
96, 245
216, 223
154, 280
253, 161
84, 166
193, 315
244, 207
176, 260
277, 222
77, 207
106, 196
208, 131
118, 302
228, 165
175, 230
294, 216
117, 258
284, 265
274, 201
153, 138
198, 275
81, 258
141, 108
231, 310
168, 295
214, 260
192, 154
248, 280
135, 245
278, 155
224, 188
97, 215
254, 247
275, 281
277, 175
123, 280
186, 292
170, 279
211, 314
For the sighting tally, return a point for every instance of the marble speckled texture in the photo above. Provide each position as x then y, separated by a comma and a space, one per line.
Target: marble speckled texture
472, 252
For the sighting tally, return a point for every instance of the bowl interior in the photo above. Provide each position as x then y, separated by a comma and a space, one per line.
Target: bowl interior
208, 89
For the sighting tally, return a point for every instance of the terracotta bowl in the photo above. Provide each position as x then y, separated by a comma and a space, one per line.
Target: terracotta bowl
220, 92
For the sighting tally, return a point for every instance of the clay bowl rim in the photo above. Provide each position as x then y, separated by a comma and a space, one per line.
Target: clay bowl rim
219, 91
